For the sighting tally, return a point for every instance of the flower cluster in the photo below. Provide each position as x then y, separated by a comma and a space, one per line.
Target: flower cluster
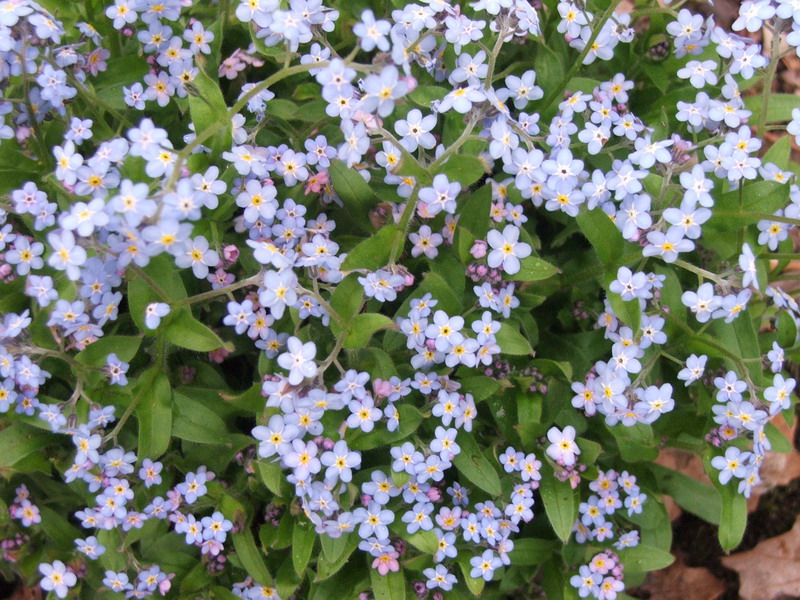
314, 272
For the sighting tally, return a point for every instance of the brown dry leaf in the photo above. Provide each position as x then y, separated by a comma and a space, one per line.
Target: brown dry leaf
626, 6
679, 582
687, 463
24, 592
777, 469
771, 570
781, 469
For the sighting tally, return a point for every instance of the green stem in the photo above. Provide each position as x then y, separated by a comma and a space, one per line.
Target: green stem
711, 343
780, 256
324, 304
150, 282
404, 153
646, 368
112, 435
579, 62
757, 215
405, 223
494, 54
462, 139
773, 67
202, 136
700, 272
254, 280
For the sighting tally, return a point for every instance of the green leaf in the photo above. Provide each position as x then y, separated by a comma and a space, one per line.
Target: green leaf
58, 529
424, 541
779, 152
532, 268
391, 586
286, 579
733, 518
161, 272
12, 296
303, 538
779, 109
582, 84
363, 326
549, 70
462, 168
424, 95
335, 552
474, 585
691, 495
644, 558
602, 234
627, 311
250, 557
374, 252
346, 300
553, 368
19, 441
354, 192
512, 342
208, 108
473, 465
410, 419
532, 551
474, 212
480, 386
758, 197
560, 504
589, 450
183, 330
733, 514
94, 355
196, 422
111, 538
272, 476
121, 71
154, 412
435, 285
220, 593
777, 439
787, 329
636, 443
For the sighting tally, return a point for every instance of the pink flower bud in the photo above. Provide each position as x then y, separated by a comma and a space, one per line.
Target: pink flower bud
381, 388
478, 249
23, 133
165, 585
411, 82
230, 253
434, 494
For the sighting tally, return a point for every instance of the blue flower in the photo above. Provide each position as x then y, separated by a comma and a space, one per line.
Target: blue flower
372, 33
57, 578
90, 547
373, 521
506, 249
154, 313
441, 196
340, 462
734, 463
439, 577
275, 437
485, 565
